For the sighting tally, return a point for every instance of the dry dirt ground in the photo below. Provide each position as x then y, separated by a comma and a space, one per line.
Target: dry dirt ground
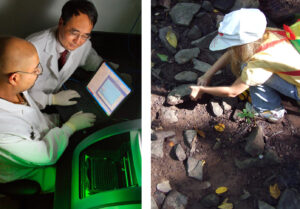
219, 169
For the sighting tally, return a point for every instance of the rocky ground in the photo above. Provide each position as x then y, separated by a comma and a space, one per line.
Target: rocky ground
192, 154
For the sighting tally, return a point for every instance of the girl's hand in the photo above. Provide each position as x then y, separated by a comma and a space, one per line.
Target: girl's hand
196, 93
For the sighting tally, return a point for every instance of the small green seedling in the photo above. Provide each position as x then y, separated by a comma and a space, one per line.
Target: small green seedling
246, 114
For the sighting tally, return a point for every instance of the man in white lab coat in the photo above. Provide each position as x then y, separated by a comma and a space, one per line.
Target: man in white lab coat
61, 50
29, 142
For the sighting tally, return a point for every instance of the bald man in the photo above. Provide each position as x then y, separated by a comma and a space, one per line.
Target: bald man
29, 142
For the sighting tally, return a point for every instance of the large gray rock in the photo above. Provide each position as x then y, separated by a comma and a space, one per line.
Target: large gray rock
206, 5
264, 205
210, 200
162, 35
164, 186
195, 168
183, 13
188, 136
175, 200
176, 96
255, 142
290, 199
204, 41
185, 55
186, 76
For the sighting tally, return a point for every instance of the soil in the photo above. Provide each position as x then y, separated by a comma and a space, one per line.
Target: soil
219, 168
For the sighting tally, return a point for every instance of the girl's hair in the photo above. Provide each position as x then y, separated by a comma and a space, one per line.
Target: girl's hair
241, 54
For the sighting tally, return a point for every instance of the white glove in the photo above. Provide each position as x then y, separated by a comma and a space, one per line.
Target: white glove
81, 120
63, 98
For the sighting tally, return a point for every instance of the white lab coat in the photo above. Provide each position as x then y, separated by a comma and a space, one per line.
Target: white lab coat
28, 143
51, 80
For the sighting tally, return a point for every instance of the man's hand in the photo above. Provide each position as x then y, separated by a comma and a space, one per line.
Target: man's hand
81, 120
63, 98
196, 93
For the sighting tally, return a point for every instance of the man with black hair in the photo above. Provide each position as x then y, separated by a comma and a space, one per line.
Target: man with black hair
61, 50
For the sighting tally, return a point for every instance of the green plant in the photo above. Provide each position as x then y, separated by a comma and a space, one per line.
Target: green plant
247, 115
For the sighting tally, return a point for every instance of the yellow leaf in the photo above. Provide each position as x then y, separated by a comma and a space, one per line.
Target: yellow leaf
219, 127
201, 133
203, 162
221, 190
226, 205
215, 11
152, 64
171, 38
274, 191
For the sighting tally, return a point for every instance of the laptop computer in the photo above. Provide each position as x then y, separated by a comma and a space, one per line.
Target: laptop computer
108, 89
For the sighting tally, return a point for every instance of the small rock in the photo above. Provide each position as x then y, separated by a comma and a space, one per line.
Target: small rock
290, 199
255, 142
177, 95
217, 145
207, 6
185, 55
169, 115
157, 148
164, 134
204, 41
210, 200
219, 19
153, 204
162, 35
175, 200
226, 106
194, 33
188, 136
245, 4
247, 163
263, 205
202, 66
245, 196
154, 28
186, 76
205, 185
180, 154
236, 116
222, 5
183, 13
164, 186
195, 168
155, 72
159, 198
216, 109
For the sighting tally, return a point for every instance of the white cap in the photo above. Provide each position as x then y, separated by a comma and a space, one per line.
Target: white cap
239, 27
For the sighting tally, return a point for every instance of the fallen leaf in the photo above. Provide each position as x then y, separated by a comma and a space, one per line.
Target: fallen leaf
226, 205
171, 38
203, 162
221, 190
193, 146
219, 127
274, 191
218, 139
162, 57
171, 144
200, 133
215, 11
152, 64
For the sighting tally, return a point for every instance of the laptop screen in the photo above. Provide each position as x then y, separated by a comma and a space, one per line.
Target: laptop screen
108, 89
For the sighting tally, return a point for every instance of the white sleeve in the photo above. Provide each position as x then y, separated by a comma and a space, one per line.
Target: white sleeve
41, 99
92, 61
32, 153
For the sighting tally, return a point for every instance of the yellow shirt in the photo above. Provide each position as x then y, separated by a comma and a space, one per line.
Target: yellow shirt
282, 57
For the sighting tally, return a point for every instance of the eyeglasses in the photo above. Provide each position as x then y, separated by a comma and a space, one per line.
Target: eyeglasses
76, 34
37, 71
